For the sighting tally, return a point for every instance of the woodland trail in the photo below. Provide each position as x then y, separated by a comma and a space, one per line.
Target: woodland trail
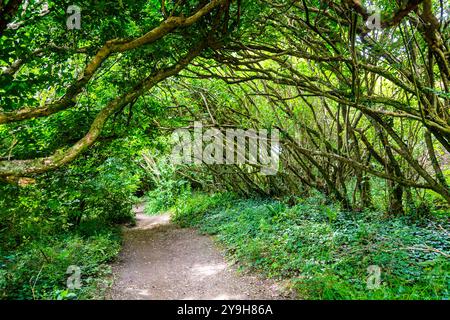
162, 261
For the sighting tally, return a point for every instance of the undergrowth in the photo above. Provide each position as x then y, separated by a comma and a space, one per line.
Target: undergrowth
69, 218
326, 252
40, 269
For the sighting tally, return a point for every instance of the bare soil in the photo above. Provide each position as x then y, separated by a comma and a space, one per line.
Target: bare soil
161, 261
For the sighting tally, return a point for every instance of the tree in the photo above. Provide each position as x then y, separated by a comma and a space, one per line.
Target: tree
37, 54
353, 102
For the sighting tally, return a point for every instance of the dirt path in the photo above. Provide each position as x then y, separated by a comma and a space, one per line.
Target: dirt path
162, 261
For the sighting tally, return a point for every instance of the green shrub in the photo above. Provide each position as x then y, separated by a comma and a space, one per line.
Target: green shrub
167, 188
38, 270
189, 209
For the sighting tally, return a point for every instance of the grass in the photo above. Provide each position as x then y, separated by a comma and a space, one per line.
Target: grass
326, 252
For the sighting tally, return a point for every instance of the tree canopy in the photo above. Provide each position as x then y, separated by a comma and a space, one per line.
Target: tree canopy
352, 98
91, 92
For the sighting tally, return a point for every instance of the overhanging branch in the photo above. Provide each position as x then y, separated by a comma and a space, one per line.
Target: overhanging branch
21, 168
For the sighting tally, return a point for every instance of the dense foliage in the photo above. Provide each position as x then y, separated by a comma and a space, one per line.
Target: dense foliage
360, 98
66, 219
